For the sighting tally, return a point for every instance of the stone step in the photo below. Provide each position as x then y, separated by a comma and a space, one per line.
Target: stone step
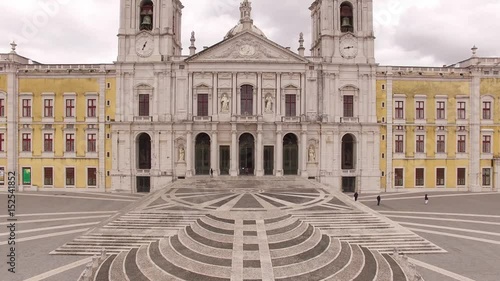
116, 272
384, 271
149, 268
310, 243
353, 267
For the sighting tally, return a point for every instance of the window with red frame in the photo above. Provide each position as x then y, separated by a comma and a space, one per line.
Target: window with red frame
461, 143
487, 110
420, 144
2, 108
70, 176
70, 108
399, 147
91, 107
26, 142
91, 176
441, 110
26, 108
48, 176
290, 105
203, 105
486, 144
70, 142
47, 143
143, 105
48, 108
420, 111
399, 110
348, 106
441, 145
461, 110
91, 143
2, 140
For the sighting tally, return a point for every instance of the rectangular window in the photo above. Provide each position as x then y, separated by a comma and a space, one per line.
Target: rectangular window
48, 176
47, 143
26, 108
419, 177
441, 144
70, 108
486, 176
440, 110
420, 144
48, 108
70, 176
2, 108
487, 110
246, 100
461, 110
203, 105
461, 176
461, 144
143, 105
91, 107
348, 106
26, 142
399, 147
91, 143
70, 142
91, 177
398, 177
2, 175
486, 144
290, 105
420, 110
26, 176
2, 142
440, 177
399, 110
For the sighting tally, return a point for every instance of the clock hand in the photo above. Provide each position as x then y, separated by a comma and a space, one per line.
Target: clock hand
144, 45
348, 47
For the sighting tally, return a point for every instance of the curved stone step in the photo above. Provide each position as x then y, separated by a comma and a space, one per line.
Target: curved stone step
206, 241
217, 223
318, 249
189, 253
384, 271
117, 269
353, 267
104, 269
397, 273
300, 238
221, 238
214, 229
203, 249
300, 248
131, 269
291, 233
149, 268
283, 229
369, 270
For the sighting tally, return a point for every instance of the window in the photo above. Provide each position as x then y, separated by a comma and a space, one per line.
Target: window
70, 176
91, 176
441, 144
486, 176
348, 106
26, 142
47, 143
486, 144
26, 108
91, 143
2, 141
440, 110
461, 144
48, 108
399, 148
290, 105
420, 110
26, 175
420, 144
399, 110
143, 105
440, 177
398, 177
419, 177
70, 108
461, 176
48, 176
346, 17
461, 110
203, 105
2, 175
91, 107
2, 108
70, 142
487, 110
246, 100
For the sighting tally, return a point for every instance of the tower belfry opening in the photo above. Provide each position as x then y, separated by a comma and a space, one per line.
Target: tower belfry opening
146, 18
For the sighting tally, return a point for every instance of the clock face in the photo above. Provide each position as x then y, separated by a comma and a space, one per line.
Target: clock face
349, 46
144, 46
247, 50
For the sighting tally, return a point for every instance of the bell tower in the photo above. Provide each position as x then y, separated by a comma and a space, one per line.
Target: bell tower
150, 30
342, 31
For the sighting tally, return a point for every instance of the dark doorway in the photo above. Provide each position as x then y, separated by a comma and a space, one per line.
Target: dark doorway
224, 159
290, 155
268, 160
348, 153
144, 152
348, 184
143, 184
202, 154
247, 147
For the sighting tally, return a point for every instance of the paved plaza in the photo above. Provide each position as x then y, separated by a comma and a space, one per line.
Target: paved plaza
248, 229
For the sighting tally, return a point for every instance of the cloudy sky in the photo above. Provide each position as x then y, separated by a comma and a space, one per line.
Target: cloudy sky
409, 32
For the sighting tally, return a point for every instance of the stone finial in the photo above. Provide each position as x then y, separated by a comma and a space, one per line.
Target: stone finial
246, 13
474, 51
13, 47
301, 44
192, 48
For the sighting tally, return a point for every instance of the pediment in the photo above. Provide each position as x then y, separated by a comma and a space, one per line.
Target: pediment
247, 47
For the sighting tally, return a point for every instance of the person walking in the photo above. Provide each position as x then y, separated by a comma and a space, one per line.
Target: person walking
426, 198
211, 173
378, 200
356, 196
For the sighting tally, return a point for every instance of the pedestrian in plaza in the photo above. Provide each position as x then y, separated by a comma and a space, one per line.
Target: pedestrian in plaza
211, 172
378, 200
356, 196
426, 198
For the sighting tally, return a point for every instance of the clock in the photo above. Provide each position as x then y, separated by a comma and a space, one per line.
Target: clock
348, 46
247, 50
144, 45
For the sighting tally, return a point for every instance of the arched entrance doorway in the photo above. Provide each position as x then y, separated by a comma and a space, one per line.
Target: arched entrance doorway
202, 154
290, 155
143, 184
247, 147
348, 162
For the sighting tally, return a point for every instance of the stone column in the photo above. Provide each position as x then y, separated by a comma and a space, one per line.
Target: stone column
234, 99
303, 154
189, 152
278, 96
259, 152
214, 145
233, 169
259, 93
279, 152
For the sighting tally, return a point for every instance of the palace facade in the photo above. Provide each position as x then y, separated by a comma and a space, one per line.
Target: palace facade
247, 106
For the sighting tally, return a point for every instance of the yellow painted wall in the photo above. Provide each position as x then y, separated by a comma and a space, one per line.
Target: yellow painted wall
3, 88
3, 82
382, 113
111, 112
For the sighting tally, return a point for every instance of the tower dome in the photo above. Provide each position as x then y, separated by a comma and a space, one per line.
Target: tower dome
246, 22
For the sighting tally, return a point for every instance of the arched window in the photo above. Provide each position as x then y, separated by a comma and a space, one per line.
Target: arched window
144, 151
346, 17
146, 18
348, 152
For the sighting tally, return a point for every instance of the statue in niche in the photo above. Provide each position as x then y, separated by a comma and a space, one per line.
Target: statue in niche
224, 103
269, 103
182, 154
312, 154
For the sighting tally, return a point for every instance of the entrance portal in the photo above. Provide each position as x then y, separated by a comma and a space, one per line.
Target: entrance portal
144, 152
290, 155
202, 155
348, 184
224, 159
247, 147
268, 160
143, 184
